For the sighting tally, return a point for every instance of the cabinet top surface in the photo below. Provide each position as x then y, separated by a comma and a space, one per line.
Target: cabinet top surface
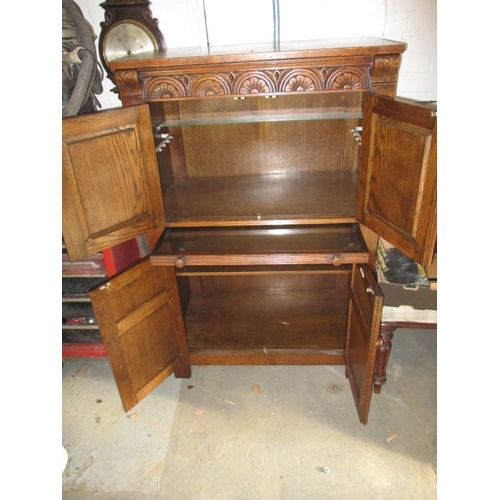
270, 51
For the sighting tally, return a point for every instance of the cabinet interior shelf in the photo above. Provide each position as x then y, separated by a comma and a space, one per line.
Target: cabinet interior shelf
325, 196
272, 314
263, 321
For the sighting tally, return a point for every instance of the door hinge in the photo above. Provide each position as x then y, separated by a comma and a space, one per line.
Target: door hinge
356, 132
166, 138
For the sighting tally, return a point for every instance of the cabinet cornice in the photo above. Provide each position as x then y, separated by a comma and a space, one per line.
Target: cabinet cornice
160, 76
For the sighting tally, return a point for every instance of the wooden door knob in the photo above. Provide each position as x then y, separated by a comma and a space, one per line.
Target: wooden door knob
179, 263
336, 261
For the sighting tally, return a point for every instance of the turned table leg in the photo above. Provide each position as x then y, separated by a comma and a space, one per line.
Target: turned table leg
383, 351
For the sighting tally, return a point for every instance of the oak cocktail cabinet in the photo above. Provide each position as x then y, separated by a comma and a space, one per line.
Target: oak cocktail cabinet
244, 169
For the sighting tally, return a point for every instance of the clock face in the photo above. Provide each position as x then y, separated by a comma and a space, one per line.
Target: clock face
125, 39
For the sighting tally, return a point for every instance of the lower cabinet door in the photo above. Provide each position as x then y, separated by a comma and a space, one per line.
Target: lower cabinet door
140, 319
365, 312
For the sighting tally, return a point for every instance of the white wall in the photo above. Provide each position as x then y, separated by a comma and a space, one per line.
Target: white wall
229, 22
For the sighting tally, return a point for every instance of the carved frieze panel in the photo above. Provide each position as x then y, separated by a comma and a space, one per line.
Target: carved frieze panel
254, 82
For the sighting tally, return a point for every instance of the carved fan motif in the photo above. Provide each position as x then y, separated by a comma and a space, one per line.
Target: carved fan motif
163, 88
300, 81
347, 79
209, 85
254, 83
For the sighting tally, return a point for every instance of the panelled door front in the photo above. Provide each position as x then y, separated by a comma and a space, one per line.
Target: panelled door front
397, 196
110, 183
365, 313
140, 319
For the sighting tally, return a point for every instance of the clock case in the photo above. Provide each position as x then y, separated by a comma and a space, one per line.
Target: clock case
117, 11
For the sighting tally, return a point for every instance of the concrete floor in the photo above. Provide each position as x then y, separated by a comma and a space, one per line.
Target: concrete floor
252, 432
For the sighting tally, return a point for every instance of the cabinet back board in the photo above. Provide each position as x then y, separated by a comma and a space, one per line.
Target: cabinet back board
261, 135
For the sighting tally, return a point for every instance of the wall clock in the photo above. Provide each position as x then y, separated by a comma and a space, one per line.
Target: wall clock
128, 28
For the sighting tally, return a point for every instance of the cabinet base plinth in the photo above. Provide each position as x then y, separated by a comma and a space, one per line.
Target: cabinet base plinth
183, 371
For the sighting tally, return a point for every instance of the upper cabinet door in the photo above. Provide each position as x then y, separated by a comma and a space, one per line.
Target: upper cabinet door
110, 181
397, 195
140, 319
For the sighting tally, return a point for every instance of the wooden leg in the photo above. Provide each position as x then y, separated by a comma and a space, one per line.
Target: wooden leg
383, 353
183, 371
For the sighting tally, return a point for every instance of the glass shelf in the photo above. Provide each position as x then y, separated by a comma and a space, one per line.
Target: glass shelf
260, 117
313, 239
